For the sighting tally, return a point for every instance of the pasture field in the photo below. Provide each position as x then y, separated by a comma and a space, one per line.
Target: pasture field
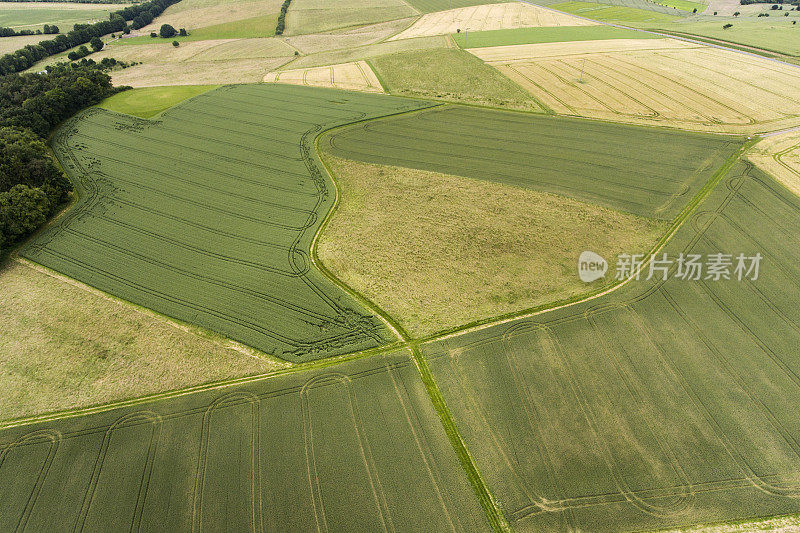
656, 81
509, 37
355, 447
314, 16
208, 214
431, 6
349, 76
661, 405
33, 15
644, 171
148, 102
685, 5
65, 346
779, 156
615, 13
489, 17
776, 33
451, 75
12, 44
470, 249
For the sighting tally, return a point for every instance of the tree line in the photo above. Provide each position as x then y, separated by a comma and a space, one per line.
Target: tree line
32, 187
139, 15
282, 17
11, 32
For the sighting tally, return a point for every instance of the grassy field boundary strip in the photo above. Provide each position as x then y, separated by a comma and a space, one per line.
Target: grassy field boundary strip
674, 227
493, 512
383, 86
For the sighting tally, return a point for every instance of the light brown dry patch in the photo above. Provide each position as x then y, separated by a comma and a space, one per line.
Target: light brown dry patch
12, 44
655, 81
196, 72
489, 17
349, 38
193, 14
65, 346
784, 524
160, 52
779, 156
437, 251
356, 76
358, 53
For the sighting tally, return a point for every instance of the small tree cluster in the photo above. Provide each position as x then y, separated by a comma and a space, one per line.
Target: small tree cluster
282, 18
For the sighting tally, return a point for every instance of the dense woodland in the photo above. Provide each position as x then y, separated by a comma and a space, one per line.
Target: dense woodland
138, 15
32, 187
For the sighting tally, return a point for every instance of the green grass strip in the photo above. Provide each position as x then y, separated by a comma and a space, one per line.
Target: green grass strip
495, 515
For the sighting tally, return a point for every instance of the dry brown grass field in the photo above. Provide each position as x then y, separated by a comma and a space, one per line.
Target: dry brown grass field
356, 76
655, 81
430, 45
65, 345
489, 17
437, 251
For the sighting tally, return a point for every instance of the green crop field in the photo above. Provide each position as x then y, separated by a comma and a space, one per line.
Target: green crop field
775, 33
664, 404
208, 214
617, 13
357, 447
431, 6
554, 34
659, 7
32, 15
644, 171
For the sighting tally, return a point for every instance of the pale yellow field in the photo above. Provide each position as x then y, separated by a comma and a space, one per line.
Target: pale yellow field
244, 49
161, 52
655, 81
358, 53
351, 76
193, 14
64, 345
352, 37
468, 249
780, 156
489, 17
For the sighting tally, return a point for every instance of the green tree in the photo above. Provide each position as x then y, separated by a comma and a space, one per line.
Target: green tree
167, 31
22, 210
96, 43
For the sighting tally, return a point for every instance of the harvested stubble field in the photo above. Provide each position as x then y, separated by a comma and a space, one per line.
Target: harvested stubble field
655, 81
437, 251
208, 214
645, 171
779, 156
489, 17
663, 404
336, 449
347, 38
349, 76
314, 16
